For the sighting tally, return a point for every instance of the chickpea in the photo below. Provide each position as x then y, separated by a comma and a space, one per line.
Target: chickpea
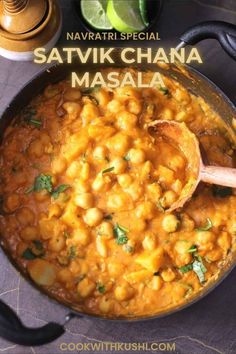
93, 216
82, 236
156, 283
101, 183
56, 244
75, 268
105, 229
72, 94
29, 233
214, 255
124, 180
36, 148
116, 201
138, 225
119, 165
123, 292
101, 246
84, 200
100, 153
126, 120
12, 202
169, 197
154, 191
42, 272
177, 186
59, 165
135, 190
149, 243
187, 223
168, 275
167, 114
136, 156
145, 210
104, 305
204, 237
181, 116
134, 106
51, 91
182, 247
115, 269
224, 241
89, 113
170, 223
86, 287
146, 170
65, 276
119, 144
128, 92
176, 162
115, 106
25, 216
103, 97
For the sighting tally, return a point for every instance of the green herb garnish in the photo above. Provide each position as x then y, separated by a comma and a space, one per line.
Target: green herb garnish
207, 227
36, 122
164, 90
109, 169
72, 253
60, 189
199, 269
101, 288
221, 192
192, 249
186, 268
43, 182
160, 206
120, 233
126, 157
28, 254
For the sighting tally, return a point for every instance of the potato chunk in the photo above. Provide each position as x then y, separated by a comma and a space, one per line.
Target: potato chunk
151, 261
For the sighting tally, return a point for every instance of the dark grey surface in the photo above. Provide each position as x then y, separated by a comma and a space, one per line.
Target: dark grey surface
207, 327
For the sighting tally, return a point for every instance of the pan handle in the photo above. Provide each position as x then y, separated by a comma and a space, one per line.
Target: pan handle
13, 330
224, 32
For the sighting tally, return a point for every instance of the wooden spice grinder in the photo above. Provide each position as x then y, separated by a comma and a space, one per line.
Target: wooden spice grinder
26, 25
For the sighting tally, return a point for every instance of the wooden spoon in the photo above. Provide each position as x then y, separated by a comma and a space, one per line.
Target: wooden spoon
188, 144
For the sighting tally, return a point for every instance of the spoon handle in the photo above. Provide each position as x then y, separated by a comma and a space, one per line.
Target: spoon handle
223, 176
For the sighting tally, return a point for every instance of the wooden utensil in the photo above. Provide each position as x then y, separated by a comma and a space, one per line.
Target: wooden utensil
21, 16
186, 141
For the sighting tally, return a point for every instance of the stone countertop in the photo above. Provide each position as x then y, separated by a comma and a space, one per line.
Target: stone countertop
207, 327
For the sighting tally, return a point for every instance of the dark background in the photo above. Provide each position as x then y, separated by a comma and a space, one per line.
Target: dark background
205, 328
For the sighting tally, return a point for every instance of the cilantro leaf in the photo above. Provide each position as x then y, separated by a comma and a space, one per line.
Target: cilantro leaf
43, 182
28, 254
101, 288
164, 90
72, 252
192, 249
120, 234
186, 268
199, 269
108, 170
60, 189
207, 227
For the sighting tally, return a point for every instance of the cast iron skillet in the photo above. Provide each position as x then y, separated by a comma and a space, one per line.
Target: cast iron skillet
11, 327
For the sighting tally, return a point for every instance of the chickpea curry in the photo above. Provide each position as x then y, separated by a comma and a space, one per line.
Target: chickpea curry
85, 185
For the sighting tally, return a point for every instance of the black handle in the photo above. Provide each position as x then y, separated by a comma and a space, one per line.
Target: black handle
224, 32
12, 329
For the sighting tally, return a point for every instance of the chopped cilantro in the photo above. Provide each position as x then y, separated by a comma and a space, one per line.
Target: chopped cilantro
109, 169
101, 288
120, 234
186, 268
43, 182
192, 249
72, 252
207, 227
164, 90
199, 269
60, 189
28, 254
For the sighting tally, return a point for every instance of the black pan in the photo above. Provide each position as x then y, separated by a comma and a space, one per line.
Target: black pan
11, 328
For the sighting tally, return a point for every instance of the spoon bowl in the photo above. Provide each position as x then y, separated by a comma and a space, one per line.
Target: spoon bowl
179, 135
